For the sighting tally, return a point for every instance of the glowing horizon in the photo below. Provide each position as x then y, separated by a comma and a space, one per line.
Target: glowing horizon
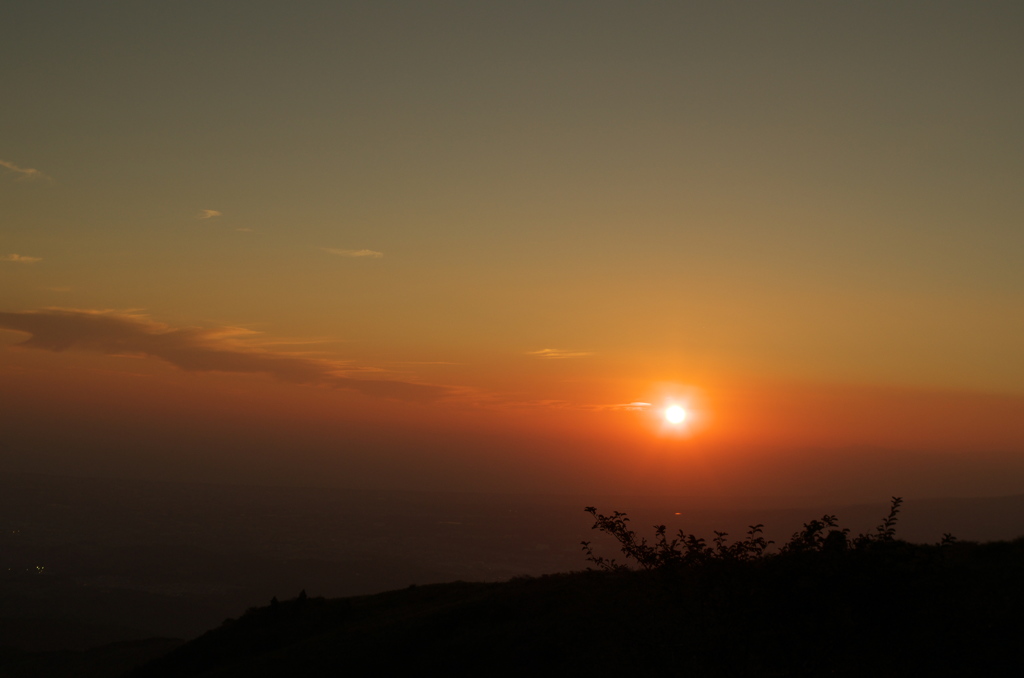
471, 248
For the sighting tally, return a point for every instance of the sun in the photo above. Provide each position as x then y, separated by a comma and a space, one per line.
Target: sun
675, 414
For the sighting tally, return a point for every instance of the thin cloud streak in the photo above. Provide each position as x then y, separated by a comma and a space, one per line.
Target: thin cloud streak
17, 258
635, 406
209, 214
371, 254
557, 353
25, 172
194, 349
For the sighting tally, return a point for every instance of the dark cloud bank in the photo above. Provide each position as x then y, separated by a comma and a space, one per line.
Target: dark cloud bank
192, 349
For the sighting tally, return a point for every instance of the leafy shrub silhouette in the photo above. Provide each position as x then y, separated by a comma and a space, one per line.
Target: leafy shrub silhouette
688, 550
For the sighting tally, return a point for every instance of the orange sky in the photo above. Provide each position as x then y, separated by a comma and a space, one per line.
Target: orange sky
416, 246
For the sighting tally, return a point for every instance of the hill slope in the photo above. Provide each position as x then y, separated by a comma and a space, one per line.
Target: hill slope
895, 609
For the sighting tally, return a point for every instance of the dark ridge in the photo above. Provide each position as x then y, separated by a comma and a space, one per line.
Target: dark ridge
894, 609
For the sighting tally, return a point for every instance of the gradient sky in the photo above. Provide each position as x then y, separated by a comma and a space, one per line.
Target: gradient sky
481, 246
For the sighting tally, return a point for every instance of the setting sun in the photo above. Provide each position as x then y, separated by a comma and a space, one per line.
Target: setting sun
675, 414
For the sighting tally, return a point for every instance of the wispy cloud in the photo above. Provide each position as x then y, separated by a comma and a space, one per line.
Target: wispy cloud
195, 349
208, 214
25, 172
430, 362
557, 353
636, 406
371, 254
20, 259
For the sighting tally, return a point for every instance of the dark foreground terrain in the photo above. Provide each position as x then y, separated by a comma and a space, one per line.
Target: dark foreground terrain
884, 608
897, 609
824, 603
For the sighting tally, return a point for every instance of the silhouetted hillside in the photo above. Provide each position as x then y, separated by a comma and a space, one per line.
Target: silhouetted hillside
80, 571
891, 609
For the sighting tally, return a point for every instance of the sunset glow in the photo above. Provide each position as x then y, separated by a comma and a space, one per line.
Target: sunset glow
499, 248
302, 303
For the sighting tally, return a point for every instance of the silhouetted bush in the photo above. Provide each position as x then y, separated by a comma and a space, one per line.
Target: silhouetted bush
688, 550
